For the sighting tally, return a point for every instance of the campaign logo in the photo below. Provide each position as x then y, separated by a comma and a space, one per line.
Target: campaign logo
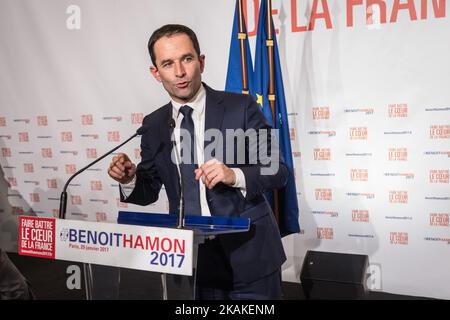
406, 175
113, 136
398, 196
87, 119
399, 110
437, 109
54, 168
359, 175
440, 131
103, 201
292, 134
75, 200
323, 194
361, 194
6, 152
398, 238
23, 137
36, 183
2, 122
96, 185
439, 219
93, 136
325, 233
321, 113
322, 154
121, 204
358, 154
330, 133
27, 121
52, 184
71, 168
137, 118
117, 118
66, 136
64, 235
12, 181
367, 111
332, 214
358, 133
42, 121
437, 153
46, 152
72, 152
28, 168
446, 240
398, 154
439, 176
34, 197
360, 215
100, 216
91, 153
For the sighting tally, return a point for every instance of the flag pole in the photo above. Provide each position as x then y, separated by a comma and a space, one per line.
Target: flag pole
271, 93
242, 35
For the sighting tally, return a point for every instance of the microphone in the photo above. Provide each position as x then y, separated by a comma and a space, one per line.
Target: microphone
63, 199
180, 223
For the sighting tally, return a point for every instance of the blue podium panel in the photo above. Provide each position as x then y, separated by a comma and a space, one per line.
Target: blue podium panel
202, 225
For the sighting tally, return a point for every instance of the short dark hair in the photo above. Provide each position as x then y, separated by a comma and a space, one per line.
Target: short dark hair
169, 30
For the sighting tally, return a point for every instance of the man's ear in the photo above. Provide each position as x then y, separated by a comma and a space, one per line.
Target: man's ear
201, 58
154, 71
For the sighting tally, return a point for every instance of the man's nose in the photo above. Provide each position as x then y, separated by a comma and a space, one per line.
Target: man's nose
179, 70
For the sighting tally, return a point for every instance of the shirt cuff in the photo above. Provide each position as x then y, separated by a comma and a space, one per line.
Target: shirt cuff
127, 188
240, 180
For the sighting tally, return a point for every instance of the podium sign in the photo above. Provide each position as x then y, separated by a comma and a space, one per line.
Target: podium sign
165, 250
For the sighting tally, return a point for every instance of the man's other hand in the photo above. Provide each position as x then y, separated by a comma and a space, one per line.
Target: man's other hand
213, 171
122, 169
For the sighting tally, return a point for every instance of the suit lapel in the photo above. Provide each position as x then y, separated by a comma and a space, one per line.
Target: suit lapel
214, 110
165, 133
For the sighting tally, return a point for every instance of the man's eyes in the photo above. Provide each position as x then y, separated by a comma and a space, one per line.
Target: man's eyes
170, 63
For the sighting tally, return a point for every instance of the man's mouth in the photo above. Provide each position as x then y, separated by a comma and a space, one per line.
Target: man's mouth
182, 85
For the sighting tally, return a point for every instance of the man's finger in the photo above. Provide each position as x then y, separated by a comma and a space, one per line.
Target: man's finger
198, 173
128, 165
117, 171
209, 168
214, 181
113, 174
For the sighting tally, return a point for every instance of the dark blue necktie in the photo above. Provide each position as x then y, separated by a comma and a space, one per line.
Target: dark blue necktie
190, 186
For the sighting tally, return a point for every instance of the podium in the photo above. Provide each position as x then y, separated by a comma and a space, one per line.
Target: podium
103, 282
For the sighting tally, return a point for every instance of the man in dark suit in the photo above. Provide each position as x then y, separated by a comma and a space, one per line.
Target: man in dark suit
235, 266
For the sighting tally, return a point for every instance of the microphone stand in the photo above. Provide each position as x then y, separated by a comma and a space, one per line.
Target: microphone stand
180, 222
63, 198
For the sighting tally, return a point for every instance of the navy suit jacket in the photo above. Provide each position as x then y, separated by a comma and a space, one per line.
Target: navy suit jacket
251, 255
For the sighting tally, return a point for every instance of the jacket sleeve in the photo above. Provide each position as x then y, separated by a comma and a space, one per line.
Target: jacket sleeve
269, 171
148, 182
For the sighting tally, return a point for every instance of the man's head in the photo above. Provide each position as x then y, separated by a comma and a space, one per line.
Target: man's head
177, 62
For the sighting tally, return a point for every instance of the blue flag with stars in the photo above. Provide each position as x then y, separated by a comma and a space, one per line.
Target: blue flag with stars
234, 73
287, 196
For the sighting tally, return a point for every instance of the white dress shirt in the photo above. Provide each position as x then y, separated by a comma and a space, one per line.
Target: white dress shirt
197, 103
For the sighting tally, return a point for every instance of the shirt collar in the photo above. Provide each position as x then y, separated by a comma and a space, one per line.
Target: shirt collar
197, 103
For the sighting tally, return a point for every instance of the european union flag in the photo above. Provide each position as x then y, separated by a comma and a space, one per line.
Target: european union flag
288, 205
234, 74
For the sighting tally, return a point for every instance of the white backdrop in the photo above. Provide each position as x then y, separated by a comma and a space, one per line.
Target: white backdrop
369, 110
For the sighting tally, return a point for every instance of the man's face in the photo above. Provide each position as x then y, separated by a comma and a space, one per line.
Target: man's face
178, 67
